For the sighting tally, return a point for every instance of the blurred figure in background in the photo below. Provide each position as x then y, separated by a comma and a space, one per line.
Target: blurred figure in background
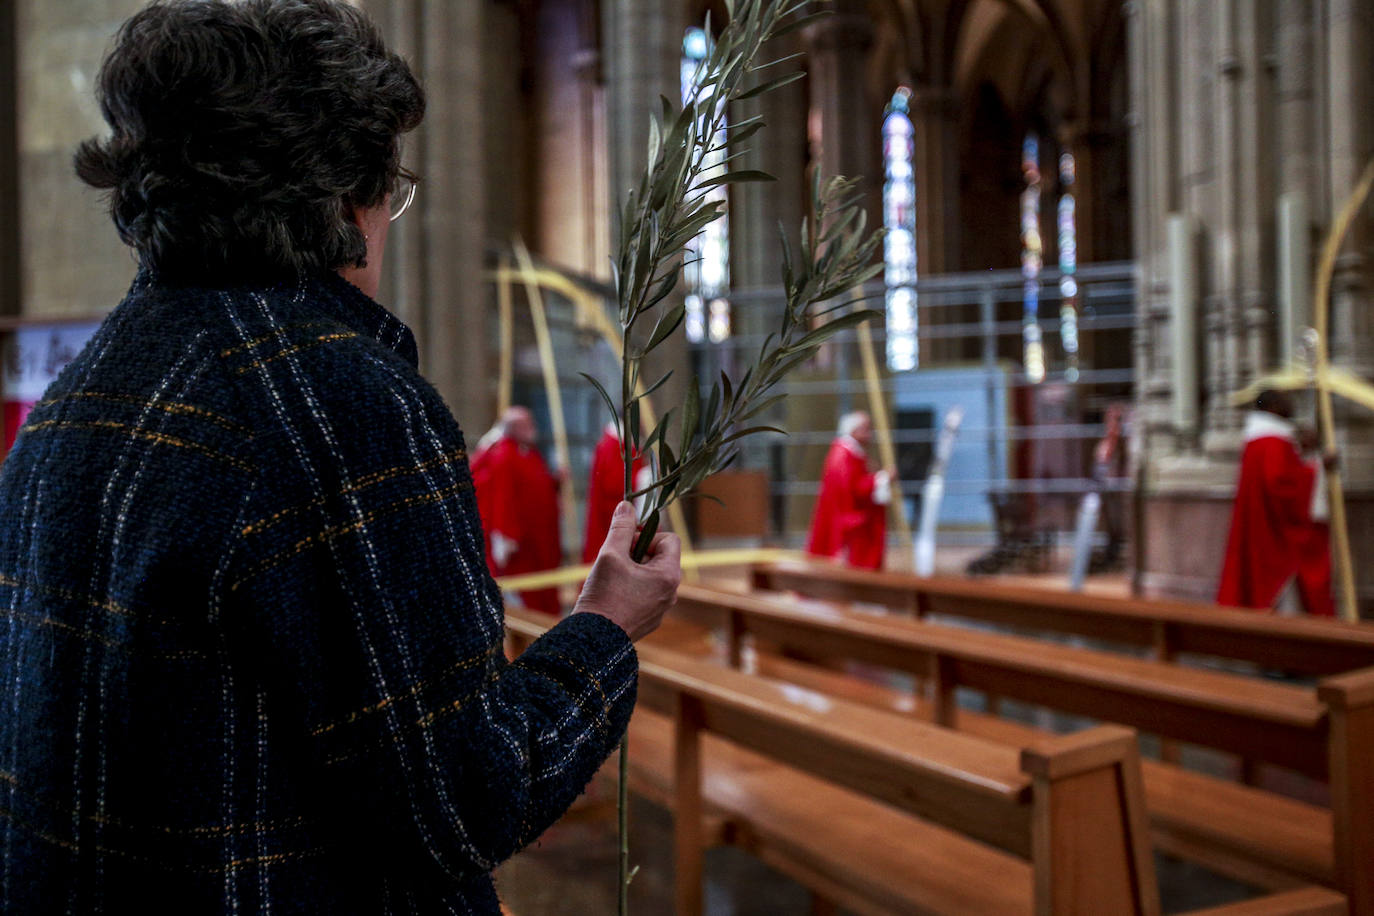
606, 487
850, 523
517, 497
1279, 534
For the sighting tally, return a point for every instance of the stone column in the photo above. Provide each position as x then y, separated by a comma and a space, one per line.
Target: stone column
844, 121
71, 259
1242, 304
641, 50
1297, 169
569, 205
935, 119
934, 113
756, 208
1350, 99
1154, 194
9, 163
437, 252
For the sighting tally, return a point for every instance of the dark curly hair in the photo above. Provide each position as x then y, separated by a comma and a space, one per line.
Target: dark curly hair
244, 133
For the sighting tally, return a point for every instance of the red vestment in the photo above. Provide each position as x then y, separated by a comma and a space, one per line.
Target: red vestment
605, 489
1274, 537
848, 524
517, 499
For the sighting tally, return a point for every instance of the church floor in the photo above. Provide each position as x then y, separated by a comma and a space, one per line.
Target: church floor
571, 871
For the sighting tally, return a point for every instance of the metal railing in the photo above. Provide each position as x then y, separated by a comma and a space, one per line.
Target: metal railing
1018, 438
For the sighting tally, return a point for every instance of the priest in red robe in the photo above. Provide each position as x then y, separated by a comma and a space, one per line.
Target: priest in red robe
606, 488
517, 498
1279, 535
851, 512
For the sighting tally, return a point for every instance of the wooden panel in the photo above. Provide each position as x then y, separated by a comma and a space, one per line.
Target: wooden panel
1078, 815
872, 859
1303, 644
1302, 747
1352, 802
687, 808
745, 509
1303, 901
1291, 838
901, 643
892, 741
959, 803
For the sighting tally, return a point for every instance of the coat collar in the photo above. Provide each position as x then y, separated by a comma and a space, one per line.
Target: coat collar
852, 446
325, 291
1260, 424
360, 312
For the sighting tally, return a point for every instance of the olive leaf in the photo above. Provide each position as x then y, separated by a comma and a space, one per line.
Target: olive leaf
662, 213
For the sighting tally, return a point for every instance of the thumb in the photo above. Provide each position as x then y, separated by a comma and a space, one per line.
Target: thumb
622, 533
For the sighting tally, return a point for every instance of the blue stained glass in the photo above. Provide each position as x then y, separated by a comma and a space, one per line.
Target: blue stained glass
899, 246
706, 272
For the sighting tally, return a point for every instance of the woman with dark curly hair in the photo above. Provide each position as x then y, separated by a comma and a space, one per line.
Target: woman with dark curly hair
251, 655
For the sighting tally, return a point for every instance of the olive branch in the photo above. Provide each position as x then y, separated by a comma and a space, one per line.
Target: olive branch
666, 210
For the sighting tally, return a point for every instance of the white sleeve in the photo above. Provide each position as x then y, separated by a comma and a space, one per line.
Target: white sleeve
882, 488
502, 548
642, 480
1320, 507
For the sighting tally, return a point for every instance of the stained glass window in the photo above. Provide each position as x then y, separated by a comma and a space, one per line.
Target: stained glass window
1068, 267
707, 268
1032, 255
899, 245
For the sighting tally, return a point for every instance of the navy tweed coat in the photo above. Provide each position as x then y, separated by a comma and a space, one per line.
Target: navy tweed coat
250, 655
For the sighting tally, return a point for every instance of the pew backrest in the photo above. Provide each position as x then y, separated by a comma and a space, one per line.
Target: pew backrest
1327, 733
1168, 628
1071, 805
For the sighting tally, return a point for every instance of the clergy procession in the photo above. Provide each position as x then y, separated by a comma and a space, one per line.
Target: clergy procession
709, 457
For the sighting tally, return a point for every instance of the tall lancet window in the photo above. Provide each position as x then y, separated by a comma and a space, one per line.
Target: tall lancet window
899, 246
1032, 255
707, 271
1068, 267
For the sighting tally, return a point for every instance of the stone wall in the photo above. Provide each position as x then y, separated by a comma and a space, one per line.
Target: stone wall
71, 260
1235, 106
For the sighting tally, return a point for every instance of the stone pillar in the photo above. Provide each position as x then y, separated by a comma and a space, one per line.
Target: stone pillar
437, 252
935, 119
642, 51
570, 203
934, 113
1295, 98
1242, 301
1153, 194
641, 54
71, 259
9, 163
844, 121
756, 208
1350, 99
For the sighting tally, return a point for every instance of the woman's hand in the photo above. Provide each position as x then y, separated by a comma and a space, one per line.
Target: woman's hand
633, 595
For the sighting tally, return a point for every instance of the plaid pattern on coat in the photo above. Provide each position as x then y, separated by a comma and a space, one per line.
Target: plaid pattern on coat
250, 654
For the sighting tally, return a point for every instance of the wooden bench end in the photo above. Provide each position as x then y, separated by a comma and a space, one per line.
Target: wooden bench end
1348, 691
1061, 756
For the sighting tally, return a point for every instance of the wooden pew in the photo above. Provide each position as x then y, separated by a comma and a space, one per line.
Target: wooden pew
1064, 818
1271, 841
1166, 628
